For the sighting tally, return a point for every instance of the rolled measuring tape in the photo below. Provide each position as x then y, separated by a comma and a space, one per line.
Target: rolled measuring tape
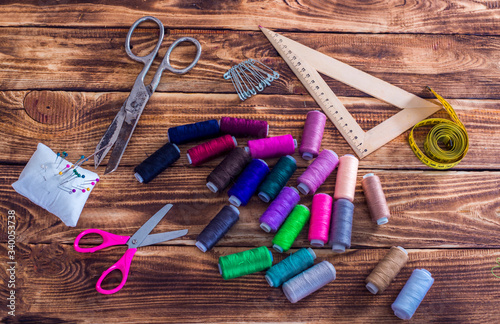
449, 133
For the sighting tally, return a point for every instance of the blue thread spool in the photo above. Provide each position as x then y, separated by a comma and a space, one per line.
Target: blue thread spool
290, 267
157, 162
412, 294
194, 132
248, 182
341, 226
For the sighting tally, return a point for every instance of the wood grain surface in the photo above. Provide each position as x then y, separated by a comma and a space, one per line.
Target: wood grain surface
64, 75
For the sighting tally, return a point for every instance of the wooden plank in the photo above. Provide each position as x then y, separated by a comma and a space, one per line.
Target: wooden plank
182, 285
409, 16
94, 60
429, 209
75, 122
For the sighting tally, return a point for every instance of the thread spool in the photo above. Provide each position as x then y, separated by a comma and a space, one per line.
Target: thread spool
194, 132
312, 134
341, 225
294, 264
157, 162
248, 182
207, 151
346, 177
412, 294
386, 270
228, 169
277, 178
317, 172
279, 209
271, 147
241, 127
375, 199
291, 228
321, 215
309, 281
244, 263
217, 228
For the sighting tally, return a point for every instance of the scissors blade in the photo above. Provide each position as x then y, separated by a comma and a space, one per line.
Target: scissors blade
143, 232
163, 237
133, 109
109, 137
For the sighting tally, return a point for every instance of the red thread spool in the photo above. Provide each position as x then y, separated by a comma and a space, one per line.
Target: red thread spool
321, 215
210, 150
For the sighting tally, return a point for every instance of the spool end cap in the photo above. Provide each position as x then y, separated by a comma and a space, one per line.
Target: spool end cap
265, 227
138, 177
212, 187
264, 196
307, 156
382, 221
269, 281
278, 248
235, 201
311, 252
372, 288
303, 188
201, 246
338, 248
189, 158
317, 243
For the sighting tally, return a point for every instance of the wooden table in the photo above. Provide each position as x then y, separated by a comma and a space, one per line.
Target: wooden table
64, 74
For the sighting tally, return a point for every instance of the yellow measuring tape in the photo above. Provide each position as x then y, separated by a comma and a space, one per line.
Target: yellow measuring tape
451, 134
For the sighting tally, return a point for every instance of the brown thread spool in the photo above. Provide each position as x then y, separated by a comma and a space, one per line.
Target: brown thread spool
228, 169
375, 198
386, 270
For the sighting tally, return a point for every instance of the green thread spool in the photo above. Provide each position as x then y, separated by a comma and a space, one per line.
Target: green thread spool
243, 263
290, 267
289, 231
277, 178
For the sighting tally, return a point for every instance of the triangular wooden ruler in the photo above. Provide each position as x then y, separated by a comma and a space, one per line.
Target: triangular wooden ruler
306, 63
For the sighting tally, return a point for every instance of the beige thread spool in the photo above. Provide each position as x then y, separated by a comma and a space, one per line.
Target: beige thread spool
375, 199
386, 270
345, 185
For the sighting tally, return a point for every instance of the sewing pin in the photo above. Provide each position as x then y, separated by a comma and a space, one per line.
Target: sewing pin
63, 156
66, 167
57, 156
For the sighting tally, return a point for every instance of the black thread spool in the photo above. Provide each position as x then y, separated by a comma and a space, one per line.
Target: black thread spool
217, 228
228, 169
157, 162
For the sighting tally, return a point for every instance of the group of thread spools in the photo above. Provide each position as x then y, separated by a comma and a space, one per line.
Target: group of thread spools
330, 219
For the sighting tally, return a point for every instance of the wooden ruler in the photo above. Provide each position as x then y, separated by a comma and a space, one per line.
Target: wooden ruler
306, 63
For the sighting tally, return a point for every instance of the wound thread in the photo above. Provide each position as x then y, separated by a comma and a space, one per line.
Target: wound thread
412, 294
321, 215
317, 172
312, 135
341, 225
386, 270
241, 127
279, 209
228, 170
346, 177
244, 263
207, 151
272, 147
157, 162
291, 228
248, 182
277, 178
375, 199
294, 264
309, 281
217, 228
194, 132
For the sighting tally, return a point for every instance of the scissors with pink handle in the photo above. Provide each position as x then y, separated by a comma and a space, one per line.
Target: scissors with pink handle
140, 238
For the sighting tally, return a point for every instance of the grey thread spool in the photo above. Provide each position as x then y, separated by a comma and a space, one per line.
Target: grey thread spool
309, 281
228, 169
217, 228
341, 226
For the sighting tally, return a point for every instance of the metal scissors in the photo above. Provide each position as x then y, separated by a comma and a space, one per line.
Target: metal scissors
140, 238
121, 129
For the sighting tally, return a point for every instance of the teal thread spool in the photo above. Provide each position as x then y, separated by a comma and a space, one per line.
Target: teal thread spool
277, 179
290, 267
291, 228
243, 263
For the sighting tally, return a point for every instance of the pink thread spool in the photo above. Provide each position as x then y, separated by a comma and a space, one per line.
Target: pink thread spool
346, 177
312, 135
317, 172
271, 147
321, 214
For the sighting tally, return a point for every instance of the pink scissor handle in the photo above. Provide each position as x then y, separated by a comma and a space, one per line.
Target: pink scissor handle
124, 266
108, 239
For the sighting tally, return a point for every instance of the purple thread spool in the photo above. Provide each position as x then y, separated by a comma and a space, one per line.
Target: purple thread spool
317, 172
279, 209
312, 135
244, 127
